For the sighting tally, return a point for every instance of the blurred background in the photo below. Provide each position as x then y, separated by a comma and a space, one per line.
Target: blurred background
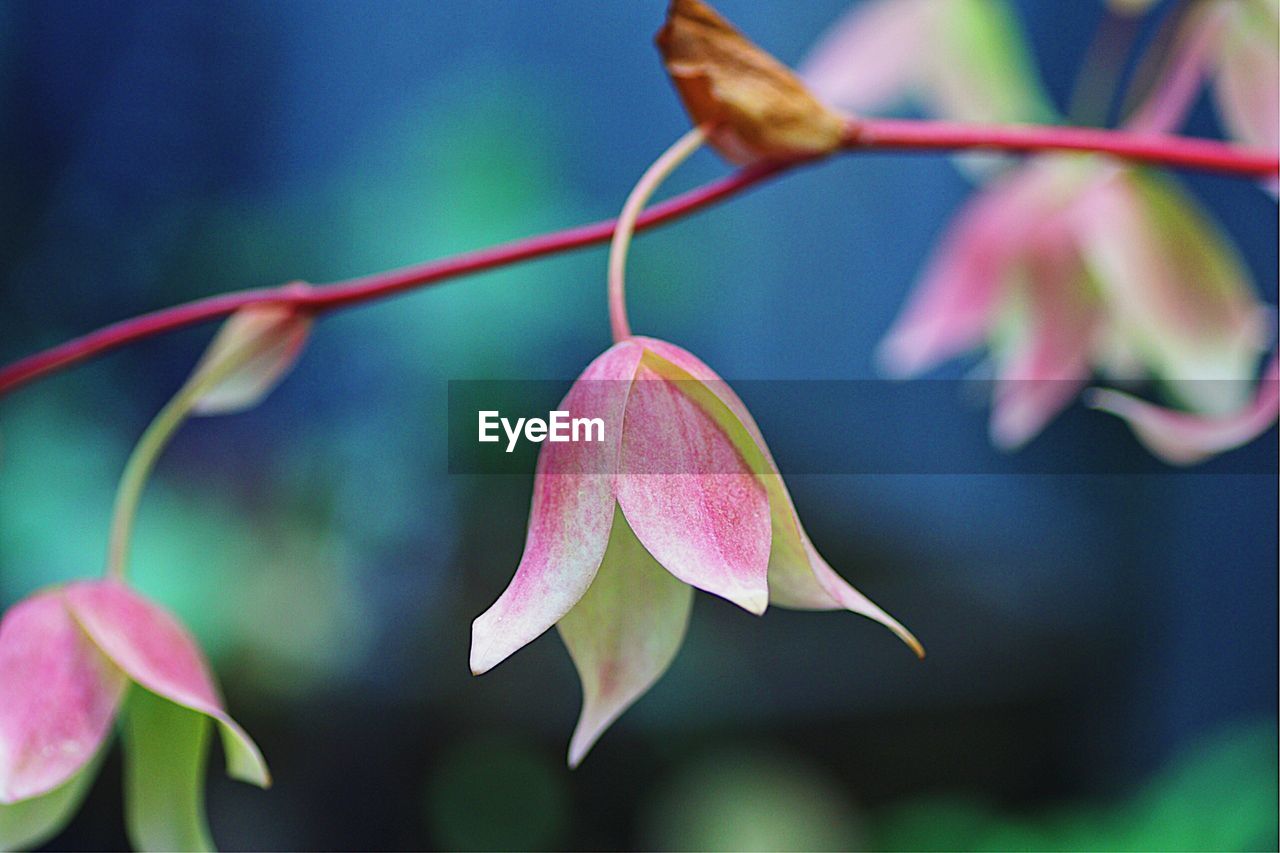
1102, 661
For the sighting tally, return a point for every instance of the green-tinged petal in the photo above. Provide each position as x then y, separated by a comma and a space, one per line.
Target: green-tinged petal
166, 753
265, 341
798, 575
1131, 7
961, 59
27, 824
158, 653
981, 69
1247, 86
1174, 287
623, 634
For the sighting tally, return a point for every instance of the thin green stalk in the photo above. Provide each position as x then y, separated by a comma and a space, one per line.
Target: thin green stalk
153, 442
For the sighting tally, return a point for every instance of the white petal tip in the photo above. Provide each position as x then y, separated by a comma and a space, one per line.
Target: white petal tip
897, 358
481, 661
487, 646
755, 602
1009, 435
584, 737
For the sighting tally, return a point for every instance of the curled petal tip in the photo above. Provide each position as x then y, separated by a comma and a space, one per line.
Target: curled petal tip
910, 639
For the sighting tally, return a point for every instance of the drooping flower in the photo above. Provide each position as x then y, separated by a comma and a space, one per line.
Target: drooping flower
1183, 438
1069, 265
75, 658
682, 493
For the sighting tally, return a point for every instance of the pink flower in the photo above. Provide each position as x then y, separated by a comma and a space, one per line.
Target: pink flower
1069, 265
71, 658
1232, 43
682, 493
1182, 438
960, 59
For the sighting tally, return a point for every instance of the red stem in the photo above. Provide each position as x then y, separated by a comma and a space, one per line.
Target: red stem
865, 135
1181, 152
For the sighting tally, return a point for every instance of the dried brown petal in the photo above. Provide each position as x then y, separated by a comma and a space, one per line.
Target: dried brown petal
757, 107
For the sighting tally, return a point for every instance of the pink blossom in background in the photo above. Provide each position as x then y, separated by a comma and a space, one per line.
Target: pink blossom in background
1065, 266
1182, 438
959, 59
1070, 265
1234, 45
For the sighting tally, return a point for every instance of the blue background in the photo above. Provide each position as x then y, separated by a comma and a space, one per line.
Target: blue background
1103, 663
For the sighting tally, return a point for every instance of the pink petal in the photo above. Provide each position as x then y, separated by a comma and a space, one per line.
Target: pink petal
869, 59
1165, 109
156, 652
28, 824
1248, 81
964, 59
1174, 285
573, 504
273, 335
954, 305
798, 576
1181, 438
623, 634
689, 496
1050, 362
58, 697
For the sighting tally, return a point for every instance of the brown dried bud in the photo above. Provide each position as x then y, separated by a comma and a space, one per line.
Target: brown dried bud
756, 107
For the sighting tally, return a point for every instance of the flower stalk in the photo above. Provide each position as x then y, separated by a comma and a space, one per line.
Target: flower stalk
623, 231
153, 442
863, 135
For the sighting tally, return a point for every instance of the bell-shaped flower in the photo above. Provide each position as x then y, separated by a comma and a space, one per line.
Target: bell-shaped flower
681, 493
1183, 438
1069, 265
75, 658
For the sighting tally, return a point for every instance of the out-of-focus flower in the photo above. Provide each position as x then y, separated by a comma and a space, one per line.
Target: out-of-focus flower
1131, 7
957, 59
681, 493
71, 659
1072, 264
753, 106
1182, 438
265, 342
1235, 43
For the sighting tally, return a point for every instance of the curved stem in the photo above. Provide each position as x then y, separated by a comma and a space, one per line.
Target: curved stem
640, 195
862, 135
153, 442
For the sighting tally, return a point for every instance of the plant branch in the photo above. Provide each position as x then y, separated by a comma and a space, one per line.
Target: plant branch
861, 136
